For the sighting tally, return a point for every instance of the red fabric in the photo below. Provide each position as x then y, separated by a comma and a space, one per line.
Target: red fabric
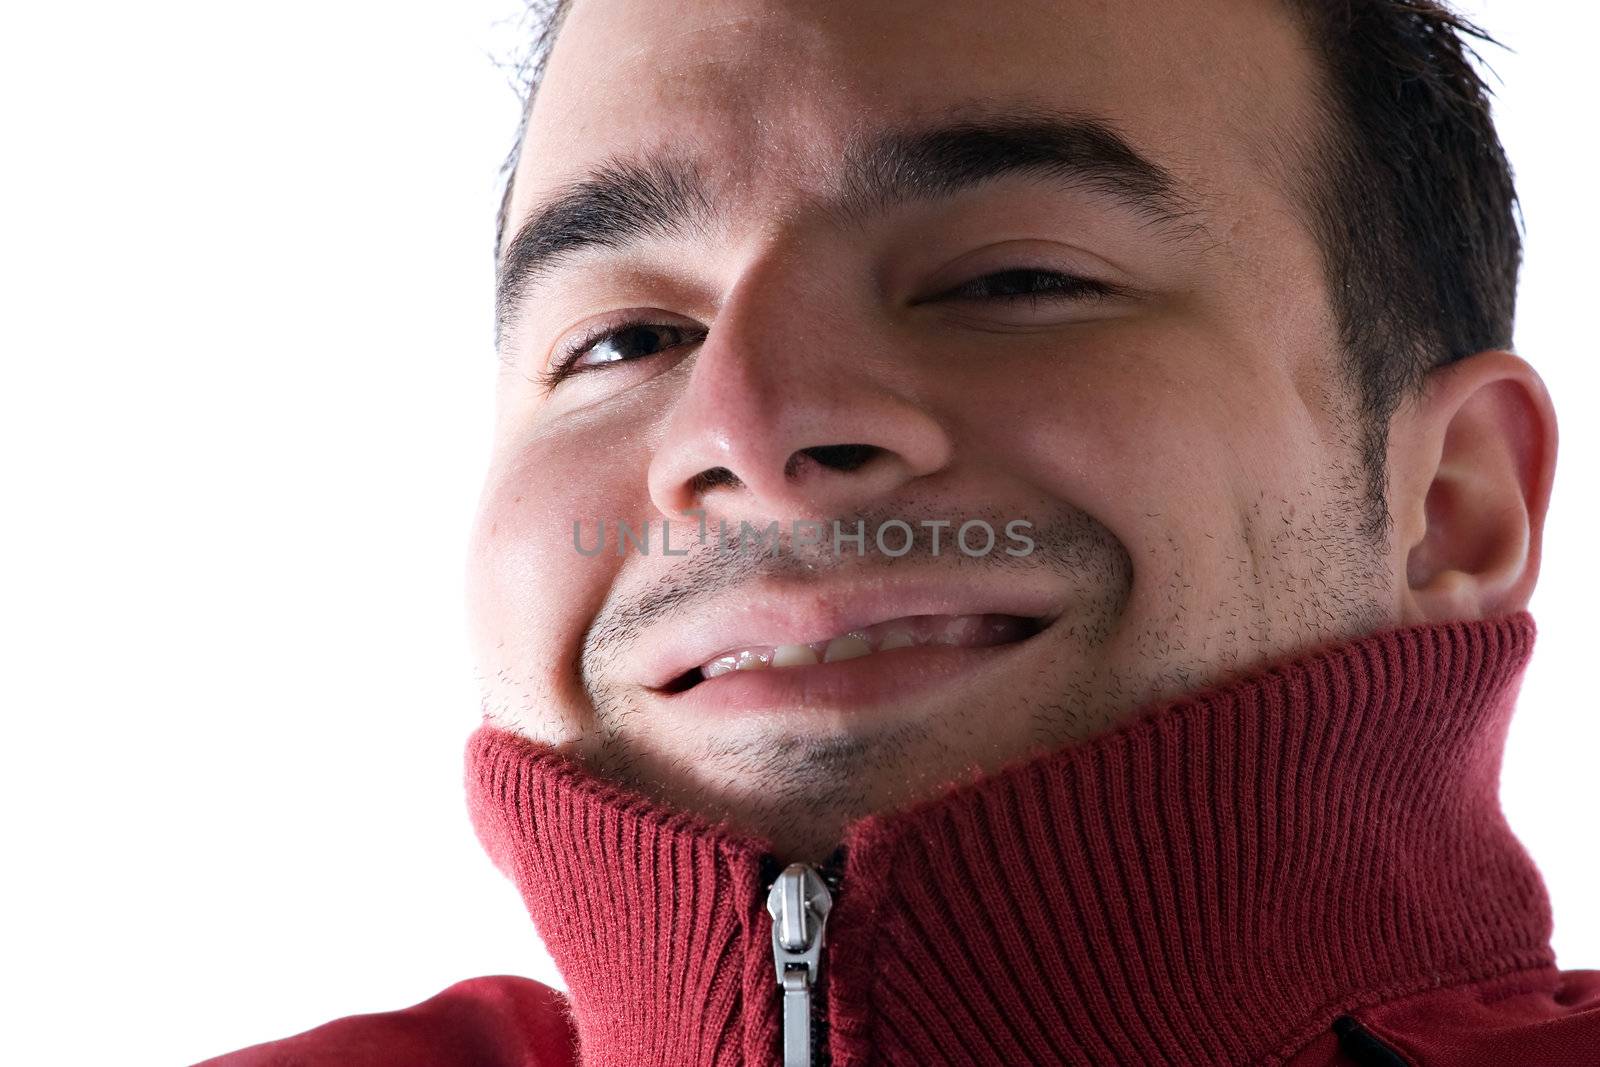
1237, 877
1541, 1017
482, 1022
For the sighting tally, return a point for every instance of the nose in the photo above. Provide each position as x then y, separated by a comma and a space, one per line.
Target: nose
795, 408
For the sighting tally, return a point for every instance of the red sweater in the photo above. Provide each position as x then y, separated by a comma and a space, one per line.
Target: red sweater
1305, 867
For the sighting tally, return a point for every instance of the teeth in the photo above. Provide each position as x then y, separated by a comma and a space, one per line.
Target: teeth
720, 665
897, 639
793, 656
958, 630
847, 647
747, 659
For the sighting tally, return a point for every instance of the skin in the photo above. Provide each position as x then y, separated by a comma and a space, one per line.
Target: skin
1187, 454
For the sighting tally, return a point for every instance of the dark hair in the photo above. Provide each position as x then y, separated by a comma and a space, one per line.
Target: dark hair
1406, 189
546, 17
1411, 199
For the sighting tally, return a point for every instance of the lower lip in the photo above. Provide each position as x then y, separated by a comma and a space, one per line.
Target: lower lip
875, 680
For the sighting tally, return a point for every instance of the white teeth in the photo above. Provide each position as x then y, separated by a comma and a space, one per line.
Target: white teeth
850, 646
908, 632
956, 631
751, 660
793, 656
720, 665
744, 660
896, 639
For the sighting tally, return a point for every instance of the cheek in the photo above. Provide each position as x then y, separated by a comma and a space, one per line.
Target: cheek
1133, 427
1161, 434
531, 594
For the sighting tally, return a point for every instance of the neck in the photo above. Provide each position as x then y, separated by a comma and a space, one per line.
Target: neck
1211, 882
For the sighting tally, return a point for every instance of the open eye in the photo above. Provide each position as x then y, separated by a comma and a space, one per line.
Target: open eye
619, 343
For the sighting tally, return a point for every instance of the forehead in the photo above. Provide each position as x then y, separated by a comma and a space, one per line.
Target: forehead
764, 95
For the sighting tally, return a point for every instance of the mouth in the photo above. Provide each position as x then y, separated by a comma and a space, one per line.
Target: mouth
896, 637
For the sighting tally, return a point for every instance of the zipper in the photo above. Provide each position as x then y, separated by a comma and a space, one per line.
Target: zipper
799, 901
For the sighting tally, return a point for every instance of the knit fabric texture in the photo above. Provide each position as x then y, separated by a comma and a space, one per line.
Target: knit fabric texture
1214, 881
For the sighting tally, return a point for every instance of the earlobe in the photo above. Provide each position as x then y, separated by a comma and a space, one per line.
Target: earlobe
1483, 452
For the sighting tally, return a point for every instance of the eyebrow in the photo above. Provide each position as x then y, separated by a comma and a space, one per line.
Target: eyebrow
621, 203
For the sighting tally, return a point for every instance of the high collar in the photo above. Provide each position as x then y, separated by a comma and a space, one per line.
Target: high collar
1212, 882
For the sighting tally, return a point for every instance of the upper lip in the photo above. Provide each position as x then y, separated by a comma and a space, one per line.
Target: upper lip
762, 613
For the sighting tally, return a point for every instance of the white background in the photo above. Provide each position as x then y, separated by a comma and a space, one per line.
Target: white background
247, 369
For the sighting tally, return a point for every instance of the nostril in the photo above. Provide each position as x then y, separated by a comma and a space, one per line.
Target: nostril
837, 457
713, 478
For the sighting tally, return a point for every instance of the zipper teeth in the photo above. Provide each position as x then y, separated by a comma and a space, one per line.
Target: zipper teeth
821, 1055
831, 870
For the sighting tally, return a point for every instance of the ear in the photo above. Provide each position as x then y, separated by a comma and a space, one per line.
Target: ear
1472, 461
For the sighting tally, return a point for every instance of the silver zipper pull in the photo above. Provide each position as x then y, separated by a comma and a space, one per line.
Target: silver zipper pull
798, 903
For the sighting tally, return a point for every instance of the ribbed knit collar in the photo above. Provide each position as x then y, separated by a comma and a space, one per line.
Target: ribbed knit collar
1212, 882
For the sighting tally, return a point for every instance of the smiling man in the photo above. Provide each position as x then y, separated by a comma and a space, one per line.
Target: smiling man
1007, 541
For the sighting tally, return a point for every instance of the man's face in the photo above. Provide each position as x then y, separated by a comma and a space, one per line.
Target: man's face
1168, 415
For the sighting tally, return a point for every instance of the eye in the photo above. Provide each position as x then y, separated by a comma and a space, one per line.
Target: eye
637, 339
618, 343
1032, 285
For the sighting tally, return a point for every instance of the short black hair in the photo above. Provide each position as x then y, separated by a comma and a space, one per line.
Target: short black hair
546, 17
1405, 187
1413, 203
